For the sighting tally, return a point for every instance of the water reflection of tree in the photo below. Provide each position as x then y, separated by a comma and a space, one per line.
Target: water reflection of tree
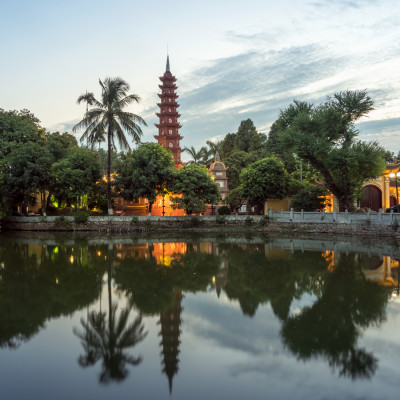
256, 278
152, 287
108, 338
38, 282
155, 288
107, 342
333, 324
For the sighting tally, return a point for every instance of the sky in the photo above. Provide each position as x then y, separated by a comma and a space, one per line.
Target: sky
233, 59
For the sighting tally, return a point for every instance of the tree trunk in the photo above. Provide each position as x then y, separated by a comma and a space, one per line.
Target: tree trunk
150, 207
109, 203
44, 204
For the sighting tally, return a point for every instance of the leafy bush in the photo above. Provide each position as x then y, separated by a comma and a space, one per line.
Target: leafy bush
310, 198
134, 220
81, 217
265, 221
195, 221
221, 219
248, 221
224, 210
62, 222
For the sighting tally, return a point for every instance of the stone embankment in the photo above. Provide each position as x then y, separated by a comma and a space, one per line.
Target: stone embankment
322, 226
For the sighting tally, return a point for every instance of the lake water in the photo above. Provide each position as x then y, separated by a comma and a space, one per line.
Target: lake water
191, 317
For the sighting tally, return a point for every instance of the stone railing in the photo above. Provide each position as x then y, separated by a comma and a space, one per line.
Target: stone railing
370, 217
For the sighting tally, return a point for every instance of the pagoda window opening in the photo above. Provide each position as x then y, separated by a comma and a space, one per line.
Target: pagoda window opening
170, 131
169, 100
170, 120
171, 145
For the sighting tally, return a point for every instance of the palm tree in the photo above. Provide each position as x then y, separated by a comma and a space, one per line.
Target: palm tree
196, 155
107, 116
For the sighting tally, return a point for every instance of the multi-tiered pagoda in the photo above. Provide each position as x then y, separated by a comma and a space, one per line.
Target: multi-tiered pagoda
168, 126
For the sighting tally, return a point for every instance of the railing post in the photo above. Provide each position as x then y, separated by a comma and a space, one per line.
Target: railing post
302, 214
291, 215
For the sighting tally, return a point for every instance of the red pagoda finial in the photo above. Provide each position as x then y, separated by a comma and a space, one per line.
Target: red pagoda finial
168, 126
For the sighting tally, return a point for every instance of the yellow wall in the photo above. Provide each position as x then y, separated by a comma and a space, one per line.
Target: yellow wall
278, 204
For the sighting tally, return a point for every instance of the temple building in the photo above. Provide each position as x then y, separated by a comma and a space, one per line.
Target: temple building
168, 126
218, 171
168, 135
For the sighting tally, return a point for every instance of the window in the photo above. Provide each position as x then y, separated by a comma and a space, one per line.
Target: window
162, 132
220, 183
169, 100
218, 174
170, 120
170, 131
171, 145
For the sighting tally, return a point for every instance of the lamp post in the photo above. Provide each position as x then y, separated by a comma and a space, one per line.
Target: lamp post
396, 176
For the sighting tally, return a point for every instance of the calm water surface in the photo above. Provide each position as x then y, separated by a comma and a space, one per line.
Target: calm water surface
197, 318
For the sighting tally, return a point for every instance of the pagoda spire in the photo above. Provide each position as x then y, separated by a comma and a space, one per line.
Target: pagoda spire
168, 125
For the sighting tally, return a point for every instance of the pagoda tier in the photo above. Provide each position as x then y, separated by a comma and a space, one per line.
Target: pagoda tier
166, 105
168, 114
168, 127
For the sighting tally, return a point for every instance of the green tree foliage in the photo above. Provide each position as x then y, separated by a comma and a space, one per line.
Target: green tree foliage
108, 118
247, 138
325, 136
18, 127
235, 198
310, 198
59, 143
264, 179
144, 172
25, 171
227, 146
196, 189
75, 175
239, 150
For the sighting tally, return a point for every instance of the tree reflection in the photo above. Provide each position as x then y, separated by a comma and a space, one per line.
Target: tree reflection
38, 282
332, 325
107, 342
151, 286
258, 278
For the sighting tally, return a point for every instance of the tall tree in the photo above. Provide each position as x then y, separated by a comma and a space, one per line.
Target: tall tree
75, 175
25, 171
266, 178
195, 187
247, 138
145, 172
326, 137
108, 116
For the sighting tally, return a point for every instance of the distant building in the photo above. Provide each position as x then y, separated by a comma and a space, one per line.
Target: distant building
218, 171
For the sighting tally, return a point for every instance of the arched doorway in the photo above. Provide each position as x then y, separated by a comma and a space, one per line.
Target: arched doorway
371, 198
